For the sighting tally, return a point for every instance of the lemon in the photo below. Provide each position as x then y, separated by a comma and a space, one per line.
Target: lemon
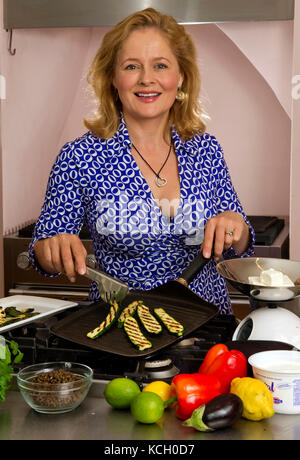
120, 392
147, 407
161, 388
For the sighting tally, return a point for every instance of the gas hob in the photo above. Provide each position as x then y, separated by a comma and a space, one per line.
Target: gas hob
39, 344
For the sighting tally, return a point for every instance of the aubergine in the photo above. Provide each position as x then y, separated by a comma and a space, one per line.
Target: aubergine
221, 412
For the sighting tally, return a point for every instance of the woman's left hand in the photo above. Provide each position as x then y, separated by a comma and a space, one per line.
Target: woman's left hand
223, 231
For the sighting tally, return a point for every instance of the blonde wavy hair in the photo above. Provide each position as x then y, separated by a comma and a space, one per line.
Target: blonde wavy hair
185, 115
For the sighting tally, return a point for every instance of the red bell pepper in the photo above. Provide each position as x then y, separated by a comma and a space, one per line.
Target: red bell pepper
211, 355
192, 391
225, 365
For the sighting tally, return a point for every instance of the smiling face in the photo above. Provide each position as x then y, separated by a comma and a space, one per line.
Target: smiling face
147, 75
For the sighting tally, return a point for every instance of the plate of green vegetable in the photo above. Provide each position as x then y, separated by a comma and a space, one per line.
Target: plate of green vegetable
17, 310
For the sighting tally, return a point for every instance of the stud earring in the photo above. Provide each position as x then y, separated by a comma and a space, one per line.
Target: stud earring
180, 95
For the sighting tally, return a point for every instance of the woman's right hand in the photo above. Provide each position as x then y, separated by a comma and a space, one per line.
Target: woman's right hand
63, 253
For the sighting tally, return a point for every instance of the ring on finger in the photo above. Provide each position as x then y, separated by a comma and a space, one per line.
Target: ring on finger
230, 233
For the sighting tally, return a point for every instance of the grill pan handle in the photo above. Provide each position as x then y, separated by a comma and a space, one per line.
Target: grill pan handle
193, 269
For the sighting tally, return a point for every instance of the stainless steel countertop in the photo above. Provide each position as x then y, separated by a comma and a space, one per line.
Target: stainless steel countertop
96, 420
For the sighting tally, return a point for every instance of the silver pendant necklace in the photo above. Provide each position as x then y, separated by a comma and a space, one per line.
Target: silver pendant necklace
159, 181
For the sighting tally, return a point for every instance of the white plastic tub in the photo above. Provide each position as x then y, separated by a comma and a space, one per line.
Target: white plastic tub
280, 371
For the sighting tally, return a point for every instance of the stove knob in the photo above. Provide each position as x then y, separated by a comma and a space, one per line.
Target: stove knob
23, 261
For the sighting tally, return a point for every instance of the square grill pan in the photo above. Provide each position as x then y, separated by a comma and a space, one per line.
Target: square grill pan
178, 301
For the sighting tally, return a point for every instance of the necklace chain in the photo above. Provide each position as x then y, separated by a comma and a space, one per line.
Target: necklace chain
160, 181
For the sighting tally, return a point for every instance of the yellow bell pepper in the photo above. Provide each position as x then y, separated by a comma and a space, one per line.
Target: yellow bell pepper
256, 396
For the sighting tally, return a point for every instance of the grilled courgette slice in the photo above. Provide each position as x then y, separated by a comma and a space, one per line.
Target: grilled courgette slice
128, 311
135, 335
149, 322
170, 323
4, 321
106, 323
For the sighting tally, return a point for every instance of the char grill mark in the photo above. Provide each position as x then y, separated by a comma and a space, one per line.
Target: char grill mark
135, 335
147, 319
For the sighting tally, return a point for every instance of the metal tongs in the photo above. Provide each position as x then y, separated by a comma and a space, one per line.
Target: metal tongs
110, 288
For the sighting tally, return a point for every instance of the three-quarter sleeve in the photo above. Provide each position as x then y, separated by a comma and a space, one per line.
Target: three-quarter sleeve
63, 208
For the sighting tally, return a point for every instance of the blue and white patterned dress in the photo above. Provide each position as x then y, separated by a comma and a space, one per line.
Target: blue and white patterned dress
98, 181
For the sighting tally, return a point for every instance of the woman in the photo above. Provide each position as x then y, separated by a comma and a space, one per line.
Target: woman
152, 186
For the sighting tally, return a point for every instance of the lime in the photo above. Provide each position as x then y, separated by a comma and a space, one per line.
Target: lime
120, 392
161, 388
147, 407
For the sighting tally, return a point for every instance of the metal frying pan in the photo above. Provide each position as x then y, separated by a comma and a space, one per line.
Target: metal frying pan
175, 297
237, 272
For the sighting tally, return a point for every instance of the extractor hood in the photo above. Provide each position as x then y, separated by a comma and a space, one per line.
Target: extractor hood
22, 14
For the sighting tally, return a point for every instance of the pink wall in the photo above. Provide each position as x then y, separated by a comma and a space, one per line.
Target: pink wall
295, 155
2, 95
47, 99
249, 121
42, 80
269, 47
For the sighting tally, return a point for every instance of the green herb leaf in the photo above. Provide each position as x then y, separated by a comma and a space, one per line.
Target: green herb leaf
6, 370
19, 357
7, 358
14, 347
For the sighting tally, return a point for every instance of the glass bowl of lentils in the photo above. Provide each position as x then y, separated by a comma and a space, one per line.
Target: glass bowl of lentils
55, 388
